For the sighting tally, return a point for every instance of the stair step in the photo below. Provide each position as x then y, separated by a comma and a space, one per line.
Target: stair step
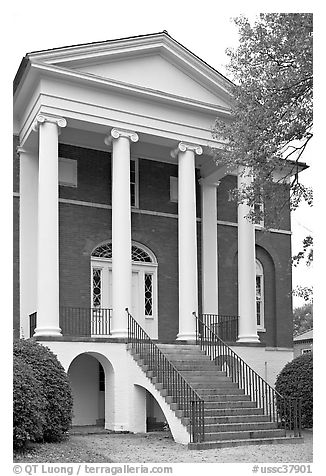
229, 412
244, 435
229, 405
214, 380
187, 357
207, 445
212, 383
185, 366
239, 427
213, 419
203, 392
232, 411
226, 398
208, 372
178, 346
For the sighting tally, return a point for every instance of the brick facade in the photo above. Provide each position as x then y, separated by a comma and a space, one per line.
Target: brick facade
82, 227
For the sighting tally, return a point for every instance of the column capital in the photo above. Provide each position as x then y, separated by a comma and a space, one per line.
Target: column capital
117, 133
20, 149
204, 183
184, 146
42, 118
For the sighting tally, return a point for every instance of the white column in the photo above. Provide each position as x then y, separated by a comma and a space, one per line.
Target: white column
209, 248
187, 239
121, 229
27, 237
48, 227
246, 269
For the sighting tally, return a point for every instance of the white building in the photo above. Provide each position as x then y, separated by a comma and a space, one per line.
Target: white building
141, 220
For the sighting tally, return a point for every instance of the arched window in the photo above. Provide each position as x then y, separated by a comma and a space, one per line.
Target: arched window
259, 295
138, 254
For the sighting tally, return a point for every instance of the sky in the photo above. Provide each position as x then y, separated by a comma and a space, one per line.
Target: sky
203, 27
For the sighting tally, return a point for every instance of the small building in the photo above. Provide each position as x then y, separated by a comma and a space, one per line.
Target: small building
120, 205
303, 343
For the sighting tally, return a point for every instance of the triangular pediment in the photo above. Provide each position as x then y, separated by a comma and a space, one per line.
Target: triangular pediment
156, 73
151, 62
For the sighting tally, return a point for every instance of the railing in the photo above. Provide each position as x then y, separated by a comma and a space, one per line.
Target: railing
80, 321
166, 373
286, 411
226, 327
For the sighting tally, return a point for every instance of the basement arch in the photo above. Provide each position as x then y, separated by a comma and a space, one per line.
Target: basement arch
91, 376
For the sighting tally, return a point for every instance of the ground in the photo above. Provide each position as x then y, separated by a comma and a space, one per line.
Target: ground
158, 447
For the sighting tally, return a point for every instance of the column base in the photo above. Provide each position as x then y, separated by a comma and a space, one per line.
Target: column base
247, 339
186, 336
119, 333
47, 332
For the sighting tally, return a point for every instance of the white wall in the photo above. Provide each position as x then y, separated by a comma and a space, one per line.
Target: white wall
84, 378
267, 362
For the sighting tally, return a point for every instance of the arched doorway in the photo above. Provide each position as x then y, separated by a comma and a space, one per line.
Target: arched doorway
91, 379
144, 283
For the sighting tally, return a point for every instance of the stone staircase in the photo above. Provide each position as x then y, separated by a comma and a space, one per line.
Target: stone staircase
231, 418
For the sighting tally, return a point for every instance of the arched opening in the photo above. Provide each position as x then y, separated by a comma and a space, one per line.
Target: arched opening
144, 283
91, 378
155, 418
149, 416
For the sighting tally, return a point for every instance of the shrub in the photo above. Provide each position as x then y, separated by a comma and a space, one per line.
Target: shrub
55, 385
296, 380
28, 405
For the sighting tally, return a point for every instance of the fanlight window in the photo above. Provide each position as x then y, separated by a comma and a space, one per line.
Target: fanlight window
138, 255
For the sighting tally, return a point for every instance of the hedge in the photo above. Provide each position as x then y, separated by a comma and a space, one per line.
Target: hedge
296, 380
54, 387
28, 404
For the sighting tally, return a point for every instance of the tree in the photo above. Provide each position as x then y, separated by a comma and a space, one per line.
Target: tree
306, 254
302, 318
271, 112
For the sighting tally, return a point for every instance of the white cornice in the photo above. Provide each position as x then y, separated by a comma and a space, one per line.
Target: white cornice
122, 87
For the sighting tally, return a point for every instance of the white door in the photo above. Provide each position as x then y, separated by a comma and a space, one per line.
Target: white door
143, 296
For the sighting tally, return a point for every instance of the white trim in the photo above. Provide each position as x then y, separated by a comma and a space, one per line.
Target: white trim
125, 88
153, 213
260, 274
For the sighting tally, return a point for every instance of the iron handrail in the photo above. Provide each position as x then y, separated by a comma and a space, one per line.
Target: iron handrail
286, 411
80, 321
224, 325
169, 376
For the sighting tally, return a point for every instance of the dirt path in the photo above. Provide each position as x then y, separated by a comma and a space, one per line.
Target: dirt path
160, 448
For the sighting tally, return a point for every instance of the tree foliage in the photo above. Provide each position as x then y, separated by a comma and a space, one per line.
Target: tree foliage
302, 319
271, 109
